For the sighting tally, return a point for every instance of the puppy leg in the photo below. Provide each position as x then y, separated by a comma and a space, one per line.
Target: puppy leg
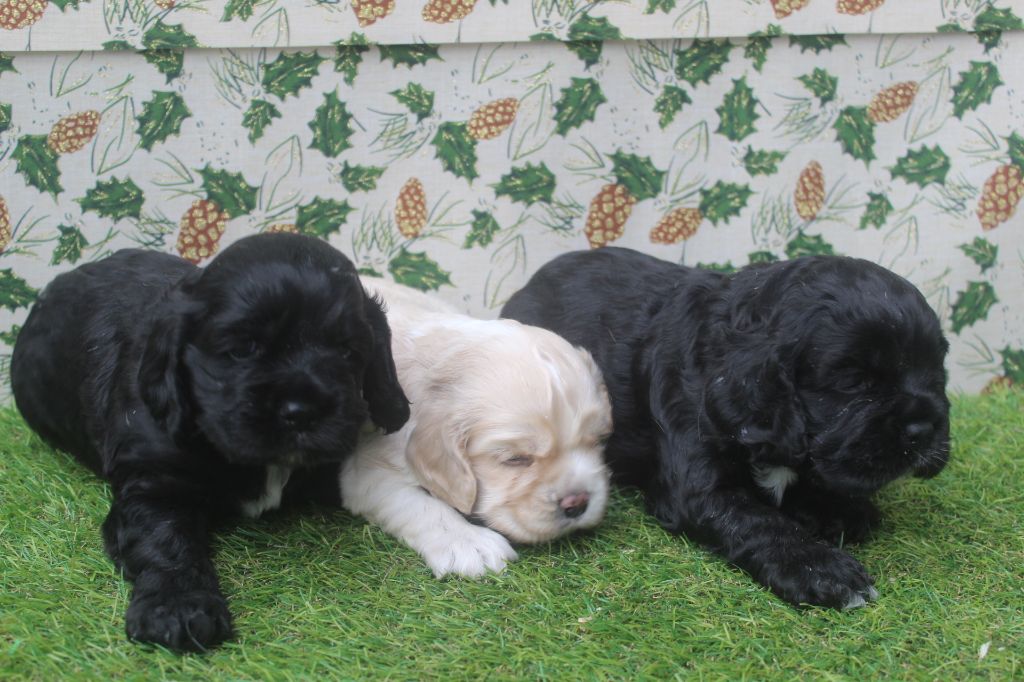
390, 497
698, 495
829, 516
162, 545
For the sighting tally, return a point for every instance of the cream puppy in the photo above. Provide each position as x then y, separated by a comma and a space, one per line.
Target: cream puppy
508, 427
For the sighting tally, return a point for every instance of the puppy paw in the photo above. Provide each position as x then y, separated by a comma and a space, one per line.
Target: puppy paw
183, 621
843, 521
818, 575
469, 552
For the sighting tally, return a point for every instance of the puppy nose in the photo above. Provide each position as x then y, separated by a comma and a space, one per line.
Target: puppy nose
919, 431
297, 412
574, 505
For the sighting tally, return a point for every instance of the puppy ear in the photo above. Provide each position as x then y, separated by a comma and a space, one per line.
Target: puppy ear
161, 381
389, 408
757, 402
436, 453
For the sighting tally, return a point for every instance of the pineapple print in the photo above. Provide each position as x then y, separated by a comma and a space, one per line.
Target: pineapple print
279, 228
858, 6
15, 14
606, 218
444, 11
809, 196
888, 104
491, 119
202, 226
164, 4
677, 226
5, 225
783, 8
73, 132
1000, 196
997, 384
369, 11
411, 209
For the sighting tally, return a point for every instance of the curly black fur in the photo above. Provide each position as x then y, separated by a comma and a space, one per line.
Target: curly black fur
182, 385
825, 373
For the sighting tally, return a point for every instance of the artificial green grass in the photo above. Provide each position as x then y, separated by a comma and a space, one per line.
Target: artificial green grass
324, 595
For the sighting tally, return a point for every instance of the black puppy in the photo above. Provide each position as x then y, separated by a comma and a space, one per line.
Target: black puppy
760, 410
200, 393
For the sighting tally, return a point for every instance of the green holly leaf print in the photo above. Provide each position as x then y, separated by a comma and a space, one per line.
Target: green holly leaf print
418, 270
238, 8
762, 257
258, 116
975, 87
726, 268
64, 4
1015, 143
409, 55
360, 178
983, 252
855, 133
990, 23
738, 111
228, 190
114, 199
14, 291
417, 99
723, 200
164, 48
922, 166
348, 55
586, 35
702, 60
331, 126
818, 43
482, 230
69, 245
1013, 364
10, 337
637, 174
808, 245
527, 184
456, 150
290, 72
38, 163
821, 84
5, 117
669, 103
762, 162
322, 217
972, 305
876, 212
161, 117
6, 63
665, 6
758, 44
578, 104
117, 46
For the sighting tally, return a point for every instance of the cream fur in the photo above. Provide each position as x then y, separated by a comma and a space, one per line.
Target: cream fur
482, 393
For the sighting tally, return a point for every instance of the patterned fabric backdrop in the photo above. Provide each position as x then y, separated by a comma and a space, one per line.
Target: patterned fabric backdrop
446, 161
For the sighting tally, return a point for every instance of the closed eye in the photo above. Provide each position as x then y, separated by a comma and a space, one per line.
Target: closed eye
518, 461
244, 350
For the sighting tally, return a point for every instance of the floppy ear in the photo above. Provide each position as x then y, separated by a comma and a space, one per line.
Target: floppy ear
755, 397
436, 453
161, 380
389, 408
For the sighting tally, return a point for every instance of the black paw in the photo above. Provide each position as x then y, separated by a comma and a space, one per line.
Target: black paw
845, 521
183, 621
818, 575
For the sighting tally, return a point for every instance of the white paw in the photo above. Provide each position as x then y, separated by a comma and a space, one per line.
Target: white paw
469, 551
860, 599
